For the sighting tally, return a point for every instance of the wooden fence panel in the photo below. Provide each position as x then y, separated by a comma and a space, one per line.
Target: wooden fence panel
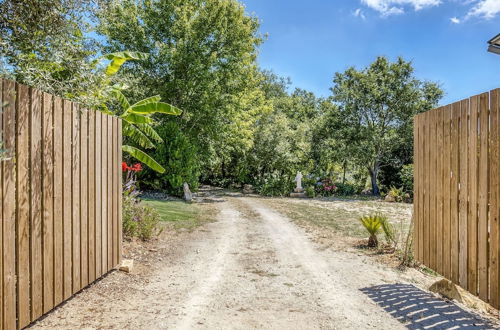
457, 189
50, 197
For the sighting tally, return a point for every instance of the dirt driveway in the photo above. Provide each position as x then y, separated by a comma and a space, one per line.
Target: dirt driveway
251, 269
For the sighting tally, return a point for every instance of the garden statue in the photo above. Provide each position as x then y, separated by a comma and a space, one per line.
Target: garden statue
188, 197
298, 179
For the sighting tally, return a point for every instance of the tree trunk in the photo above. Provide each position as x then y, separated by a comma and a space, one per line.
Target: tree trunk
373, 177
343, 175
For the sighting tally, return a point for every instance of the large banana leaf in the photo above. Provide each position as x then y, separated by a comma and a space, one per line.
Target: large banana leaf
151, 99
137, 136
122, 100
119, 58
143, 158
158, 107
134, 118
150, 132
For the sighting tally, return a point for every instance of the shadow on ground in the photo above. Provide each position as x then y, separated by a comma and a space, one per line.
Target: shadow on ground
418, 309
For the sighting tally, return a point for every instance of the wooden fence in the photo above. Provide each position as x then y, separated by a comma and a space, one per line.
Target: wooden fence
60, 201
457, 193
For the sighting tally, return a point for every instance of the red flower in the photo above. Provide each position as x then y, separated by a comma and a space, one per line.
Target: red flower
136, 168
125, 167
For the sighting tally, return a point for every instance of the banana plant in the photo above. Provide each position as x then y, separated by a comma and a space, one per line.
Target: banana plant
137, 123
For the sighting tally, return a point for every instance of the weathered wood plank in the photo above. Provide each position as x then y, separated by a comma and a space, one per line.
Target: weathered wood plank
9, 96
472, 191
36, 233
463, 189
447, 192
104, 194
58, 201
22, 205
494, 200
67, 201
84, 225
454, 205
119, 194
48, 202
92, 196
75, 196
98, 193
110, 192
482, 238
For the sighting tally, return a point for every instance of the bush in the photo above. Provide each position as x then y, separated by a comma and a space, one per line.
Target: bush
397, 194
310, 192
179, 157
275, 186
406, 176
139, 220
346, 189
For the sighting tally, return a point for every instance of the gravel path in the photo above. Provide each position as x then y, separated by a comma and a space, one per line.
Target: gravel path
252, 268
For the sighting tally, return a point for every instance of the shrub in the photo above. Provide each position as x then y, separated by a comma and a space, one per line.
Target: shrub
346, 189
139, 220
389, 232
310, 192
406, 176
275, 186
372, 224
397, 194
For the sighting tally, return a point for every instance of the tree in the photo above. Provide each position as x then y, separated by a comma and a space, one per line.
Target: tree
377, 105
43, 44
202, 59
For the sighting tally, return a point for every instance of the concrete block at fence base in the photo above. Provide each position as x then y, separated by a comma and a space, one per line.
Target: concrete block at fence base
127, 265
451, 291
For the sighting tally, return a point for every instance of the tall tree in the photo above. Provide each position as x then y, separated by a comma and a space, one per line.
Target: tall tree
377, 105
202, 60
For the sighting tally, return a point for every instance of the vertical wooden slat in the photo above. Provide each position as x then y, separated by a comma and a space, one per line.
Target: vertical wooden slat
1, 203
416, 188
454, 204
482, 239
92, 197
472, 191
84, 197
67, 202
119, 174
98, 191
9, 97
58, 115
23, 206
35, 175
115, 191
104, 194
494, 200
432, 189
110, 192
463, 186
439, 190
421, 190
447, 192
426, 191
48, 203
75, 196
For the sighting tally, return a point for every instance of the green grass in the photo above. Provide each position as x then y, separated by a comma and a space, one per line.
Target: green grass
178, 214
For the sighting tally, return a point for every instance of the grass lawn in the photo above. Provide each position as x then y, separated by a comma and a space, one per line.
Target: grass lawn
342, 216
179, 214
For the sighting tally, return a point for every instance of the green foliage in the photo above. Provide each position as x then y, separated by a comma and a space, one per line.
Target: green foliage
139, 220
275, 185
406, 176
376, 109
310, 192
180, 158
372, 224
389, 232
346, 189
397, 194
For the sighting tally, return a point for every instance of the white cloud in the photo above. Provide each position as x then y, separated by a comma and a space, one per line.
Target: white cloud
359, 13
455, 20
394, 7
484, 9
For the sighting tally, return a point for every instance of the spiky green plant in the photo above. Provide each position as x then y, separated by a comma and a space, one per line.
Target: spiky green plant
372, 224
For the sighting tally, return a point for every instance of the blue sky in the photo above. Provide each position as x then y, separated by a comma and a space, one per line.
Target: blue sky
310, 40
